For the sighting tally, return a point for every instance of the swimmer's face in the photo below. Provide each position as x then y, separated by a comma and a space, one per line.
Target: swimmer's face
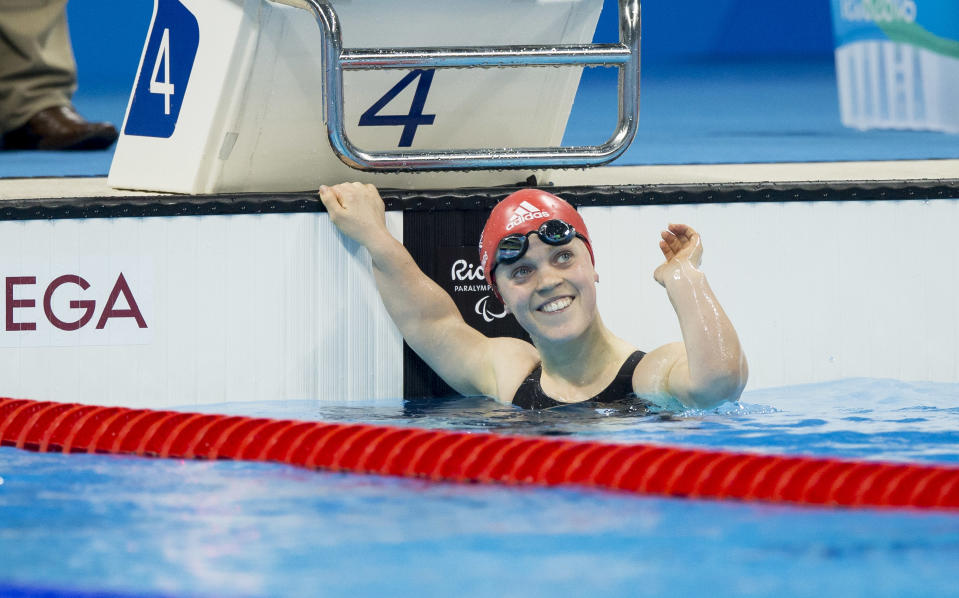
550, 290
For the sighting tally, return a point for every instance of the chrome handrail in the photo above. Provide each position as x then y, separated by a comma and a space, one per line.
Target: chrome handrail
624, 55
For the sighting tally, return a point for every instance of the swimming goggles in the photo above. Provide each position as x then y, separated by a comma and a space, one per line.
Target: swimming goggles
551, 232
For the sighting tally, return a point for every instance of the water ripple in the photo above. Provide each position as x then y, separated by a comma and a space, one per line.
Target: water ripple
857, 418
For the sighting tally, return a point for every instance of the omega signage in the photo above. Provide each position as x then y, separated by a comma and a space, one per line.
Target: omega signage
40, 308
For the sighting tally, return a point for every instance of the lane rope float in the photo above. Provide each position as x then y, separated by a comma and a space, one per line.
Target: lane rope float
464, 457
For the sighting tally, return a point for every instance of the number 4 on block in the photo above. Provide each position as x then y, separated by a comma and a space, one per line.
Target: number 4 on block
409, 121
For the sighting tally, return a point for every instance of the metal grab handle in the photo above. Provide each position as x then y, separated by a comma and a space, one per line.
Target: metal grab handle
624, 55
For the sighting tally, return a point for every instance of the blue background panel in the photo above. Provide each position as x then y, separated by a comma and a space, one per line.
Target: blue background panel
675, 31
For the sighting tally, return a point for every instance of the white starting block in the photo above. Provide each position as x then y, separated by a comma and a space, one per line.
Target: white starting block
283, 95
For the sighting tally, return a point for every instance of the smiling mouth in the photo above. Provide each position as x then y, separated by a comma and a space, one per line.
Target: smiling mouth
555, 305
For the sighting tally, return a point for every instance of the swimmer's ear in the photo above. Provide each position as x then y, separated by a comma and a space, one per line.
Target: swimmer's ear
596, 276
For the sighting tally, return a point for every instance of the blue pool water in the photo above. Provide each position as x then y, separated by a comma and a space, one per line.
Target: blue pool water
126, 526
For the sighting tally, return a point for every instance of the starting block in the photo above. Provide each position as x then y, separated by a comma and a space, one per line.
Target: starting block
283, 95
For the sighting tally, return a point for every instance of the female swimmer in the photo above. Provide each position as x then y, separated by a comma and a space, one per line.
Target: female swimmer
537, 257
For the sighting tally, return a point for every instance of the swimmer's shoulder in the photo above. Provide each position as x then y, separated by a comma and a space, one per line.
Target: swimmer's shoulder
512, 360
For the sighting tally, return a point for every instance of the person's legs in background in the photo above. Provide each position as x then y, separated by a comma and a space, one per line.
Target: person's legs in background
37, 81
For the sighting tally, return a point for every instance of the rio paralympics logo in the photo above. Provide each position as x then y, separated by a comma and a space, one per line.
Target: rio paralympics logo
483, 310
463, 274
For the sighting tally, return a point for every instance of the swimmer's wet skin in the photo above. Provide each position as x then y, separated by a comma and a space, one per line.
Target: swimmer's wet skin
537, 256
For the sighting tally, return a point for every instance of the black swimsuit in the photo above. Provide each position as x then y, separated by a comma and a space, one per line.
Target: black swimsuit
530, 393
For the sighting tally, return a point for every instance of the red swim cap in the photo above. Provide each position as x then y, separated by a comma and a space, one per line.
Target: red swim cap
523, 212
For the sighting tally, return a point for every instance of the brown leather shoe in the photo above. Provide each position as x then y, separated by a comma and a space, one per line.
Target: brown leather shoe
60, 128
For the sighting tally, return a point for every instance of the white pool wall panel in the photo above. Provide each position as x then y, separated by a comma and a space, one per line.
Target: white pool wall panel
273, 307
816, 290
238, 308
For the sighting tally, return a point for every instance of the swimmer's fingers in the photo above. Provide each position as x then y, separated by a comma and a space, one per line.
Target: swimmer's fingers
330, 199
680, 236
667, 250
682, 242
355, 208
352, 197
672, 243
692, 244
348, 195
681, 230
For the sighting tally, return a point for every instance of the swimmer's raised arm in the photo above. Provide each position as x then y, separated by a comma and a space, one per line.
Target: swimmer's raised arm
425, 314
709, 366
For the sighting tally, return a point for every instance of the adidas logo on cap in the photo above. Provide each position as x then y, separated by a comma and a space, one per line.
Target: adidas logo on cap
525, 212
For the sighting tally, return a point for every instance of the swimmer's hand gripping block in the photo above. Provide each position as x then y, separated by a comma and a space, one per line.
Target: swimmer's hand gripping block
257, 95
476, 458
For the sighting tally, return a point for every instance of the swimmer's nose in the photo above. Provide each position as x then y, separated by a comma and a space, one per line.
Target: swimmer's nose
547, 281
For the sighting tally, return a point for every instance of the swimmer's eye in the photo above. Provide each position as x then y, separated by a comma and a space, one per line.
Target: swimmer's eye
564, 257
520, 272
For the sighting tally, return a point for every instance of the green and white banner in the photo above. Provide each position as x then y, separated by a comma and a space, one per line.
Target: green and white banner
929, 24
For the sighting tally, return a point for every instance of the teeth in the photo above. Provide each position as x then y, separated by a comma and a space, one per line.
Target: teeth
556, 304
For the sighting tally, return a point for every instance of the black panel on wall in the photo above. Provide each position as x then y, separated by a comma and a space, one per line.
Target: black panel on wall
444, 245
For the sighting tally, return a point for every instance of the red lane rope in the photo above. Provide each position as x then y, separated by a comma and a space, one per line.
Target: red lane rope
468, 457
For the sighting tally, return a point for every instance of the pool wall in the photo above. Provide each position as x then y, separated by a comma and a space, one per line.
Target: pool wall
231, 307
245, 298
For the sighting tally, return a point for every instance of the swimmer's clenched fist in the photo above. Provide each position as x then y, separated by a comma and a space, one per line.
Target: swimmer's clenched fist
680, 244
356, 209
